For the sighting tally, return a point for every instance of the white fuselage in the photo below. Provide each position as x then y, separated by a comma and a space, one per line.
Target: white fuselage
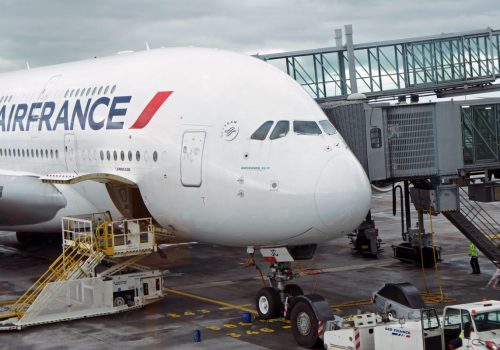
189, 152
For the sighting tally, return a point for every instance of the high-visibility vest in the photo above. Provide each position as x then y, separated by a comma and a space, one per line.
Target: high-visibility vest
472, 250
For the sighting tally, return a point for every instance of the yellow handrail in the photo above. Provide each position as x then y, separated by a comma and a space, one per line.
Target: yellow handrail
68, 262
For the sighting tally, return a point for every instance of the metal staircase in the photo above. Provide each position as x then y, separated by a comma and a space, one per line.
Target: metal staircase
87, 241
77, 260
478, 226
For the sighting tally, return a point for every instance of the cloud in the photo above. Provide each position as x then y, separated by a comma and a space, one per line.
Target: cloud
53, 31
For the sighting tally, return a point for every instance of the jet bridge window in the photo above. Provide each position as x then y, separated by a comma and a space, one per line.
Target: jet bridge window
280, 130
328, 127
302, 127
262, 131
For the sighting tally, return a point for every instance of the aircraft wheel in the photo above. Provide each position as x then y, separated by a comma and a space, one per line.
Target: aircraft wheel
305, 325
119, 301
268, 303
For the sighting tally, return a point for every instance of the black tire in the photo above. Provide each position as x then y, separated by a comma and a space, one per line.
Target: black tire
305, 325
119, 301
268, 303
293, 290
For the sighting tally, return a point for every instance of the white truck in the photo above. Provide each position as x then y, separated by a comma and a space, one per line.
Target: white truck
403, 321
464, 326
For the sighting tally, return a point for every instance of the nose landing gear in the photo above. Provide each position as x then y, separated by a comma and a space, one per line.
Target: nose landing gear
276, 300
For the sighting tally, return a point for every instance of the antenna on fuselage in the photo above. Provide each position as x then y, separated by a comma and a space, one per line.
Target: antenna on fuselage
27, 65
147, 46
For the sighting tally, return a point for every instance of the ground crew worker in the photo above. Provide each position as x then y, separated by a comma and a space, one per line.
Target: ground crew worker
474, 263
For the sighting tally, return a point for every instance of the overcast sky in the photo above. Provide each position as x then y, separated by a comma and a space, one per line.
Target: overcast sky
45, 32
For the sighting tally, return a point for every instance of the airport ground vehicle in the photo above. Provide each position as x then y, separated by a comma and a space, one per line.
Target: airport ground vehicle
463, 326
96, 274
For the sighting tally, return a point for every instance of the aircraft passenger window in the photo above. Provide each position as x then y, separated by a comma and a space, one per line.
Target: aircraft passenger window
108, 155
115, 156
66, 94
46, 154
280, 130
262, 131
52, 153
18, 153
57, 154
113, 89
130, 156
22, 152
77, 92
88, 91
122, 155
1, 152
36, 152
32, 154
138, 156
155, 156
102, 155
304, 127
328, 127
94, 90
106, 89
10, 99
9, 153
100, 89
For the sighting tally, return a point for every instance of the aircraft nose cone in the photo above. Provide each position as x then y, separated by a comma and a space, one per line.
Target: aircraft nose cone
343, 194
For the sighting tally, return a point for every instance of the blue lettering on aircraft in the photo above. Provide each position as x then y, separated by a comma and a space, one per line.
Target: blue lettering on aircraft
102, 113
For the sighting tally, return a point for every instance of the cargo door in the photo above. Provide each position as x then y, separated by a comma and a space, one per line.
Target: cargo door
70, 153
193, 143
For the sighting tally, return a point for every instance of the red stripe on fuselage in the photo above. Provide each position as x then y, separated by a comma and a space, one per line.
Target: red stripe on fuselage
151, 109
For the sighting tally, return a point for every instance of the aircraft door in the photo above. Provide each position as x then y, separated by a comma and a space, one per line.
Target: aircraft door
193, 143
70, 153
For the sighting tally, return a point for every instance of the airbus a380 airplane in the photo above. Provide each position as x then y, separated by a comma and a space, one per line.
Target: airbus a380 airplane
216, 146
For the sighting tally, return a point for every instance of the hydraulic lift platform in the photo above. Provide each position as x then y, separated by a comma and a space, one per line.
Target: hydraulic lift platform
75, 286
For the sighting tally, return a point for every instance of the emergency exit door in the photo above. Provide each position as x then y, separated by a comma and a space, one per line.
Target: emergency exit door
193, 143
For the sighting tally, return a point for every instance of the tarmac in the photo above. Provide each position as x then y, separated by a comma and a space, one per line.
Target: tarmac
209, 289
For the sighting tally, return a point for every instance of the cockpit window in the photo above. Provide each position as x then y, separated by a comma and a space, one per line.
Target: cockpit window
280, 130
328, 127
303, 127
262, 131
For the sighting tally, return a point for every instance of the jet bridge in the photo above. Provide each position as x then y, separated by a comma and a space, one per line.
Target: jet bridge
448, 151
443, 64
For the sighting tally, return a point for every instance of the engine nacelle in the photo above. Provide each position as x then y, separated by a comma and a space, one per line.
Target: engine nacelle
26, 200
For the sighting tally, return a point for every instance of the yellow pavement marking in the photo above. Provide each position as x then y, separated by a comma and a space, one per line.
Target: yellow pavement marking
228, 325
214, 328
231, 307
249, 332
173, 315
189, 313
267, 330
234, 334
210, 300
